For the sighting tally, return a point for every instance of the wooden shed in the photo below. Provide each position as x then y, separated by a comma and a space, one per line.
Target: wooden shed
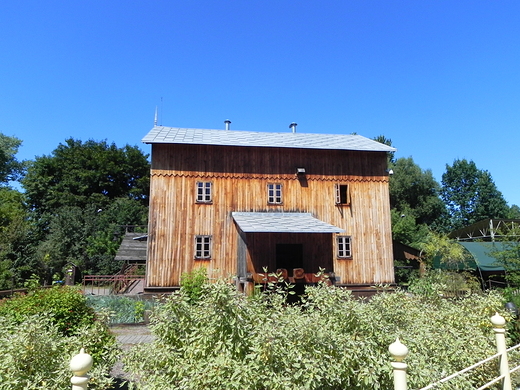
238, 202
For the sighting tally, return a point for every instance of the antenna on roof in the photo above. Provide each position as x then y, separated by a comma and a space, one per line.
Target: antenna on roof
155, 118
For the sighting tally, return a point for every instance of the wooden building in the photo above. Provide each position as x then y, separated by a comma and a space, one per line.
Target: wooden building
237, 202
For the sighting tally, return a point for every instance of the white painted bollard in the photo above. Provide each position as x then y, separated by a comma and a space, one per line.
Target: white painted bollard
80, 365
399, 352
499, 323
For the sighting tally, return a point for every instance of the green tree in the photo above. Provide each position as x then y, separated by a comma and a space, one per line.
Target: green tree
415, 203
506, 251
87, 236
471, 195
10, 168
514, 212
14, 236
66, 240
386, 141
78, 197
416, 190
82, 173
440, 246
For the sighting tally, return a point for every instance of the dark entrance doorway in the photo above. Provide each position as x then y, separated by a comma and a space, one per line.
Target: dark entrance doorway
289, 256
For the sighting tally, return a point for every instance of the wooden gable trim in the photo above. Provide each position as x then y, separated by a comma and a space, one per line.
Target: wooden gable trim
221, 175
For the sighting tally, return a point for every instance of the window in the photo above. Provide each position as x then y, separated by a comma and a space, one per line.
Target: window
204, 192
202, 247
274, 193
342, 195
344, 247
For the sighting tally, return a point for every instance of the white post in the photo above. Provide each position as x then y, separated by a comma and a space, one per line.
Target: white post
500, 334
80, 365
399, 352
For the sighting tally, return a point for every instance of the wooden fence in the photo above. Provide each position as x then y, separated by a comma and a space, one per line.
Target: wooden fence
399, 352
109, 284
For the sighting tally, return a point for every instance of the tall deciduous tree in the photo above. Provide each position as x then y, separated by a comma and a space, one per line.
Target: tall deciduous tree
415, 202
471, 195
82, 173
416, 189
78, 197
10, 168
14, 229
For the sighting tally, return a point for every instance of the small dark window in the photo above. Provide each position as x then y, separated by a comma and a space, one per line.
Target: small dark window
344, 247
204, 192
202, 247
274, 193
342, 194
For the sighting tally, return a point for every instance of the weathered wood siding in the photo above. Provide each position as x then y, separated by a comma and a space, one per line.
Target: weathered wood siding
239, 177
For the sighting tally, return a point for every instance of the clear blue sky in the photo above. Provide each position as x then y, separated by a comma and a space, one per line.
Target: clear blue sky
441, 79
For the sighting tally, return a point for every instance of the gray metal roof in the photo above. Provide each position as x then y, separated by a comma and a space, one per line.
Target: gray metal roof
258, 222
175, 135
132, 248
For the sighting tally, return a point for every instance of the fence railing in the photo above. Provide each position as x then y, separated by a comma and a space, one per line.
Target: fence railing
109, 284
399, 352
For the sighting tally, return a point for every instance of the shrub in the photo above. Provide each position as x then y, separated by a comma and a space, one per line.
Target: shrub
192, 283
65, 305
330, 341
36, 355
444, 283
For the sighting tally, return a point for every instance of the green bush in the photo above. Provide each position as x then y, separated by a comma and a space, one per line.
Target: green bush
36, 355
65, 305
192, 283
444, 283
330, 341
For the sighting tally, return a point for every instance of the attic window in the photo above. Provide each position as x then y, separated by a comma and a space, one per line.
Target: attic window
204, 194
342, 194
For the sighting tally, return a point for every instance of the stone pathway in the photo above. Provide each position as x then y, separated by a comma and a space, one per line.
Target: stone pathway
127, 336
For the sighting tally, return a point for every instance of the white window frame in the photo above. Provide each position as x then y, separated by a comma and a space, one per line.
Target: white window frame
203, 247
339, 189
344, 247
204, 192
274, 193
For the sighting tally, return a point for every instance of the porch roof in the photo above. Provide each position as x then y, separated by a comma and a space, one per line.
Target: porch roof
258, 222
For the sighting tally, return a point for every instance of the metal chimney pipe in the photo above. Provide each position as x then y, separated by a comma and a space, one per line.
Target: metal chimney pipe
293, 126
227, 122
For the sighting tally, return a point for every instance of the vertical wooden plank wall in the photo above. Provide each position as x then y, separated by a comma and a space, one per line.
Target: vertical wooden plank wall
240, 177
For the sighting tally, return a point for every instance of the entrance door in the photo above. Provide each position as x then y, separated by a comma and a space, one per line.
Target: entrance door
289, 256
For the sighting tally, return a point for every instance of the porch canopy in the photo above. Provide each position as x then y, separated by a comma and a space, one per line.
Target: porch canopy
481, 256
482, 253
258, 222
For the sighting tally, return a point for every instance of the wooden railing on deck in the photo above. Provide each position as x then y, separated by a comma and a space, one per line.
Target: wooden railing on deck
109, 284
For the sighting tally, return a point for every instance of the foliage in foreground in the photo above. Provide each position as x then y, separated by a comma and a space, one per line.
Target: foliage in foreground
37, 344
64, 305
331, 341
35, 355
